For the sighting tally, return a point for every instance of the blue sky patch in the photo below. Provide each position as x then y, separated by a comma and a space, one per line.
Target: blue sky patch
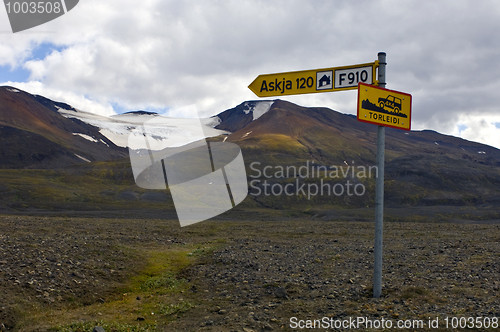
461, 127
21, 74
120, 109
41, 51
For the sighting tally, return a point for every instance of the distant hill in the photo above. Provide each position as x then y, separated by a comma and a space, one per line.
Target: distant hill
422, 167
331, 137
141, 113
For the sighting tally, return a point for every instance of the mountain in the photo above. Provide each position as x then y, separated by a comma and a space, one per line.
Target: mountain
421, 167
332, 137
35, 135
141, 113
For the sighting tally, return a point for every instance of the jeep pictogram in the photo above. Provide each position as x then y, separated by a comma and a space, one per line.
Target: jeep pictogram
394, 103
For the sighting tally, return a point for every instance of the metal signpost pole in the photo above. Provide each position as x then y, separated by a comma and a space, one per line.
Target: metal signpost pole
372, 101
379, 191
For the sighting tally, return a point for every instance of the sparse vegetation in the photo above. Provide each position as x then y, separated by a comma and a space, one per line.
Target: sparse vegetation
173, 309
164, 282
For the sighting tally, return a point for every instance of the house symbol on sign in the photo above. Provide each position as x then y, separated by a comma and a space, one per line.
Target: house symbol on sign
325, 80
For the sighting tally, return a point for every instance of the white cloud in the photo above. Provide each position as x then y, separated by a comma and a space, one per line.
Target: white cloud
480, 129
80, 102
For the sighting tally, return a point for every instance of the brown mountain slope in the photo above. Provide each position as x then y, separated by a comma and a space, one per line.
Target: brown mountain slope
316, 134
35, 135
332, 137
22, 111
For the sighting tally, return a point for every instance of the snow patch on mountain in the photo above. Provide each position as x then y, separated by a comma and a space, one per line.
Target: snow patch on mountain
211, 122
82, 158
135, 117
261, 109
163, 130
60, 109
246, 134
258, 108
87, 137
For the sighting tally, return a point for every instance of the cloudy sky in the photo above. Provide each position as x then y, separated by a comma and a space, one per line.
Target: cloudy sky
114, 56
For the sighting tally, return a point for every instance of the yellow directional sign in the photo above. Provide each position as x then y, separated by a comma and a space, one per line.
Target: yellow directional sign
384, 107
314, 81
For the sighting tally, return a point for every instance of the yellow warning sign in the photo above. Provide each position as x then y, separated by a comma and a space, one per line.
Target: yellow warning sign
384, 107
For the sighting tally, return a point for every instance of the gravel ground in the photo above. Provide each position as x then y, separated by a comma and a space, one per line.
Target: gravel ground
265, 272
312, 270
